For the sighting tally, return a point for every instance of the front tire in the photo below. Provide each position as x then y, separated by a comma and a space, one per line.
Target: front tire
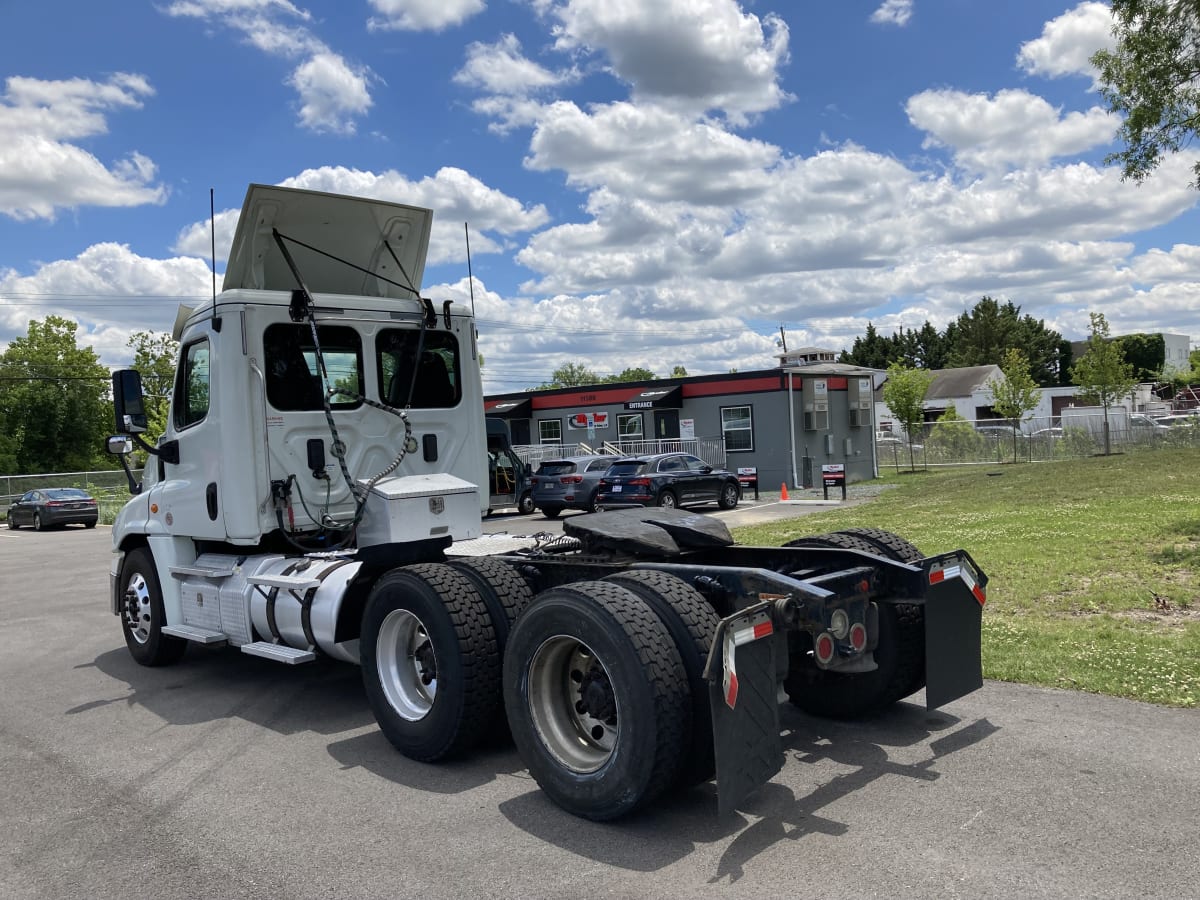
430, 665
143, 615
597, 699
12, 523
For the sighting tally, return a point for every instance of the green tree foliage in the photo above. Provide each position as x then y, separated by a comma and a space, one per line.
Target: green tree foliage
1152, 80
679, 372
54, 408
634, 374
1147, 353
952, 437
1102, 374
1016, 394
904, 393
570, 375
873, 350
154, 356
981, 337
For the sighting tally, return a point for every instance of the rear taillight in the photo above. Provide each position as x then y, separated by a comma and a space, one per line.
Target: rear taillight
55, 503
858, 637
823, 648
639, 482
571, 479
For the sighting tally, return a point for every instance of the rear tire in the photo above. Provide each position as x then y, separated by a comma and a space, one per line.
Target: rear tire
668, 500
89, 524
596, 698
730, 494
692, 623
38, 525
899, 652
504, 592
525, 504
551, 512
429, 660
142, 613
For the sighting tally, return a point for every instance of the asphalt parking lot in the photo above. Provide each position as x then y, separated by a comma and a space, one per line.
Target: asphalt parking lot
231, 776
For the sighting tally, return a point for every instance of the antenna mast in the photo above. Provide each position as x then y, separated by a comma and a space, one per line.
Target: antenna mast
212, 232
470, 276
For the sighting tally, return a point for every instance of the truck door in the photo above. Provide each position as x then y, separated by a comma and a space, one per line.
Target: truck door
188, 496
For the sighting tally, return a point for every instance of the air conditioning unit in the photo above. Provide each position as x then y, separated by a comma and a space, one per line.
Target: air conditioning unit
814, 394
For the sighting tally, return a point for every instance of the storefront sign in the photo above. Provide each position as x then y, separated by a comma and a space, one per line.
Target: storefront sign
589, 421
687, 429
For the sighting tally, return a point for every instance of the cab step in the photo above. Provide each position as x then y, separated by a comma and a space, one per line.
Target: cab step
279, 652
199, 572
287, 582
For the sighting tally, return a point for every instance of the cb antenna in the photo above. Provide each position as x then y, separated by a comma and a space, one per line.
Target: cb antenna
212, 233
470, 276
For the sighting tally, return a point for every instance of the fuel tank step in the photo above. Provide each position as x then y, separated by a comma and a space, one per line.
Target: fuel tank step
279, 652
191, 633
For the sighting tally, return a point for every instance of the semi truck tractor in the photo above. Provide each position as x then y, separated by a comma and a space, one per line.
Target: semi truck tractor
318, 491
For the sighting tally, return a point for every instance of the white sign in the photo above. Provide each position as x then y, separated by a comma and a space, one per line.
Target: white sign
687, 429
590, 421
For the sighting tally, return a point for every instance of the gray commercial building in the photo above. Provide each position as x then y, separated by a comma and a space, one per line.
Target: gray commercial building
779, 426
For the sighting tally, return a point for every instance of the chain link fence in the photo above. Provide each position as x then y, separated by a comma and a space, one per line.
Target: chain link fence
988, 442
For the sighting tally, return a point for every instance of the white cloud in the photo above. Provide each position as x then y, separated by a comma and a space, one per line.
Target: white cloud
502, 69
1011, 129
1068, 42
109, 290
454, 196
333, 93
717, 57
893, 12
422, 15
42, 170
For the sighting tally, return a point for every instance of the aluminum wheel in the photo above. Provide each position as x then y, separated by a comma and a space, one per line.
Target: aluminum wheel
572, 704
407, 665
137, 608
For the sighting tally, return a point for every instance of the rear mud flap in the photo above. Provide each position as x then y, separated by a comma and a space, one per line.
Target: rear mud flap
953, 624
744, 698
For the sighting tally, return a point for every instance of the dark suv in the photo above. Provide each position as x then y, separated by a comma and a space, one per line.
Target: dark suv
667, 479
568, 483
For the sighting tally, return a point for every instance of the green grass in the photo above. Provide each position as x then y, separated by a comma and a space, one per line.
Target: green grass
1093, 564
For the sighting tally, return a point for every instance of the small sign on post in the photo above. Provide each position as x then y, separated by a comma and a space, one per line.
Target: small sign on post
833, 475
748, 476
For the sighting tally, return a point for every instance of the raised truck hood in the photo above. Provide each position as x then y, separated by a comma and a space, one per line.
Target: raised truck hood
351, 228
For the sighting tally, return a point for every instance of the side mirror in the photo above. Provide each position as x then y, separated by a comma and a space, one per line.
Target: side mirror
128, 407
118, 445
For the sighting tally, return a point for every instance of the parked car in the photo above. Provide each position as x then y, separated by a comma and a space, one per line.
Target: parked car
1047, 434
667, 479
1184, 420
51, 507
568, 483
1142, 424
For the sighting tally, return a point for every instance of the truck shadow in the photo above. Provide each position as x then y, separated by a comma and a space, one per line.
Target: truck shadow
211, 684
682, 823
497, 758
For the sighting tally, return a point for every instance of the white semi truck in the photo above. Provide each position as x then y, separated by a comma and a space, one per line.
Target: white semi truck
317, 492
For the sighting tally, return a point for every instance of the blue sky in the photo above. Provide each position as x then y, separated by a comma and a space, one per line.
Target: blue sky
647, 183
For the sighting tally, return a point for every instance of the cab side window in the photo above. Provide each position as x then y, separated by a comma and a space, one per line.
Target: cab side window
432, 380
293, 376
190, 403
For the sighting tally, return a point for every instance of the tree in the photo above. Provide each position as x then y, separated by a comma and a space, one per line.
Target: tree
634, 374
1147, 353
1102, 374
571, 375
54, 406
1152, 80
952, 437
904, 393
980, 337
679, 372
1016, 393
873, 350
154, 356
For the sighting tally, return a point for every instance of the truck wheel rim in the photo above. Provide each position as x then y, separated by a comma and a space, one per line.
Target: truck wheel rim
572, 704
407, 665
137, 608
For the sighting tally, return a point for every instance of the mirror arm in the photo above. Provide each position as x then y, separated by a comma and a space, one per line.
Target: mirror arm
167, 451
135, 487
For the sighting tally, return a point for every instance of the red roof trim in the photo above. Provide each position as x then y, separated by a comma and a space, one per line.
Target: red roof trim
596, 397
734, 386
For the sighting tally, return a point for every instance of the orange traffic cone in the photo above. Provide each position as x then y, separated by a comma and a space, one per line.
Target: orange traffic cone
783, 491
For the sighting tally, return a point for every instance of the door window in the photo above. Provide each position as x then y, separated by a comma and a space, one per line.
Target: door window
190, 403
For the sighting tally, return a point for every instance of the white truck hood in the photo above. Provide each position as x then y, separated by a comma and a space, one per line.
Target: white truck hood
351, 228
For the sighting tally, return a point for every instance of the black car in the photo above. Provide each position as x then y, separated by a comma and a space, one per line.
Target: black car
51, 507
667, 479
568, 483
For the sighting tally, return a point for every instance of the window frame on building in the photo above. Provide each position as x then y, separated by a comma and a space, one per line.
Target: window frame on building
748, 427
542, 438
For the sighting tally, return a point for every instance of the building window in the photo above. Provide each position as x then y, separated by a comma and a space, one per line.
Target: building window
737, 428
629, 428
550, 431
